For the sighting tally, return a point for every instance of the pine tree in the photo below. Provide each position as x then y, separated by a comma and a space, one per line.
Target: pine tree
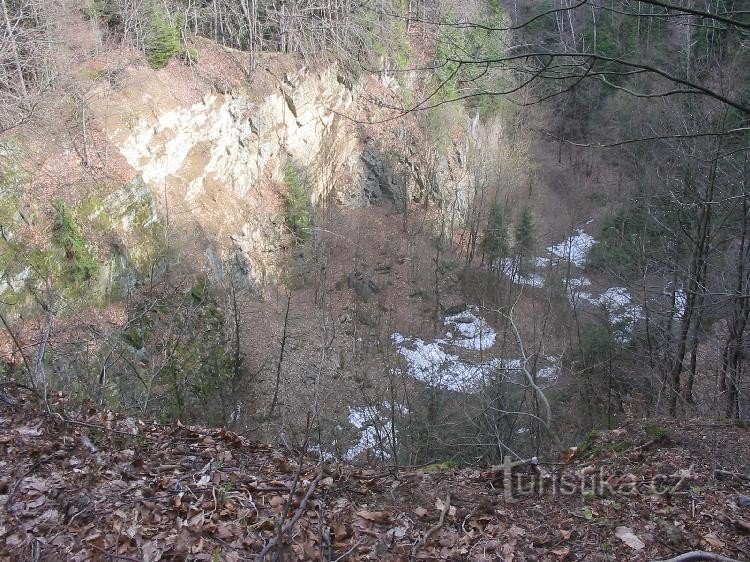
524, 238
162, 40
495, 244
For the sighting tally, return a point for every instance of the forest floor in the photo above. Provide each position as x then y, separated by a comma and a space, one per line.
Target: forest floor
81, 483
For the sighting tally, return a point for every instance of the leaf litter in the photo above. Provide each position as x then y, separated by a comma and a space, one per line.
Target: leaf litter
98, 486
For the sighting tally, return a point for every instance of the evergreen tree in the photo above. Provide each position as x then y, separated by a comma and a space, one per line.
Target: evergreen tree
524, 238
495, 244
162, 40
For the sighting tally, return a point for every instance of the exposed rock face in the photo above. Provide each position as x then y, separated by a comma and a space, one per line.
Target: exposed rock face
220, 162
379, 180
217, 167
229, 139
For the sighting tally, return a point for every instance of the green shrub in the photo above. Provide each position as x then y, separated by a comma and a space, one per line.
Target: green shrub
585, 447
593, 446
80, 265
624, 236
656, 431
495, 242
544, 24
401, 49
296, 210
441, 466
447, 47
93, 9
162, 40
525, 232
525, 239
189, 56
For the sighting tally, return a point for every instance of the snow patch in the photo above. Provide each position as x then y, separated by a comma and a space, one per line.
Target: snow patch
375, 429
548, 373
530, 280
578, 282
621, 309
576, 247
507, 267
322, 453
359, 417
680, 302
431, 364
236, 412
475, 332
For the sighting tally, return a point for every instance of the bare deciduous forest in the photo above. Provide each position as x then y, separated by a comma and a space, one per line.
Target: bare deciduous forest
395, 237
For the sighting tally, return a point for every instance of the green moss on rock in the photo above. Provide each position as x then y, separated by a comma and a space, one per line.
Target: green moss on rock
80, 265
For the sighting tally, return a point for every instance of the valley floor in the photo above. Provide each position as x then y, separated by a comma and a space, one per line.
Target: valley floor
92, 485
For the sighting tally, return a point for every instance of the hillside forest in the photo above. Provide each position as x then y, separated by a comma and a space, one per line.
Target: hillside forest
391, 231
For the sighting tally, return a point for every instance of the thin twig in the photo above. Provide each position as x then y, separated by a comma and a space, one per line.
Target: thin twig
348, 552
113, 555
728, 474
435, 528
295, 518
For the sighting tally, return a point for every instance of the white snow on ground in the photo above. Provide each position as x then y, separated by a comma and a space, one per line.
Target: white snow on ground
578, 282
359, 417
475, 332
368, 439
423, 357
509, 364
576, 246
507, 267
680, 302
431, 364
14, 281
621, 309
615, 297
530, 280
234, 416
375, 429
575, 293
323, 454
548, 373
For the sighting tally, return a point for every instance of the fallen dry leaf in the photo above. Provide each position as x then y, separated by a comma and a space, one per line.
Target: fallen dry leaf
626, 535
374, 516
713, 541
569, 455
180, 515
